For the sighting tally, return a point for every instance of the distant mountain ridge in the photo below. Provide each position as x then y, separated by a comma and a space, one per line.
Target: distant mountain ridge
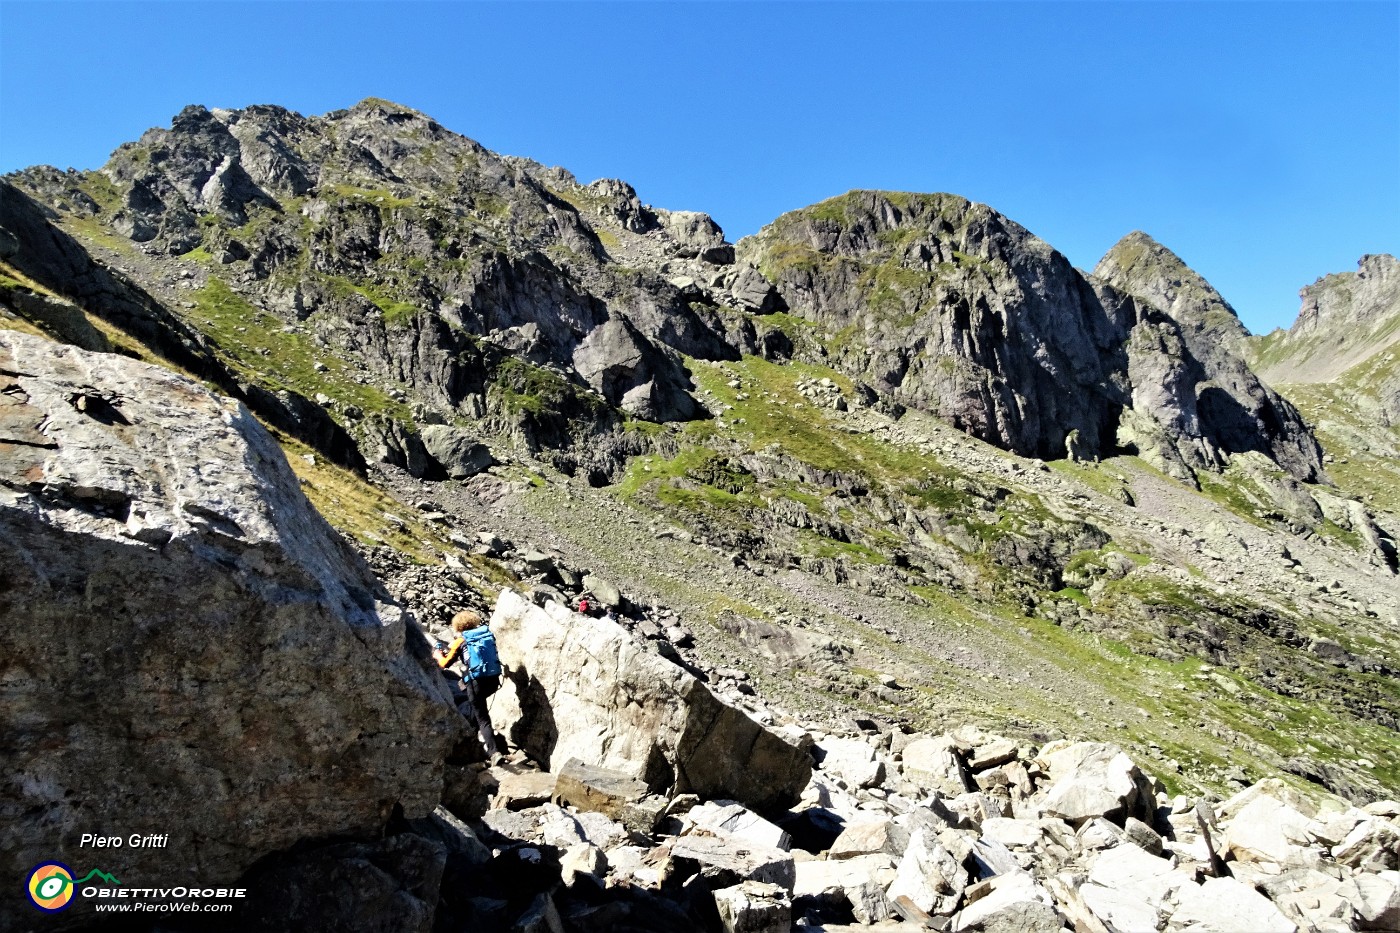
1346, 333
428, 259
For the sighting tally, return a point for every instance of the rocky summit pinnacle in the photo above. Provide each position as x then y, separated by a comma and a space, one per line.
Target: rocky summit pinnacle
1140, 266
1346, 334
1215, 405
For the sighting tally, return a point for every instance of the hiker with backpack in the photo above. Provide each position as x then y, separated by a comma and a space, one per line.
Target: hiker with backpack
472, 657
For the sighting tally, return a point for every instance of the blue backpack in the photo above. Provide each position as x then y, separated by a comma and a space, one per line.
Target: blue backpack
479, 655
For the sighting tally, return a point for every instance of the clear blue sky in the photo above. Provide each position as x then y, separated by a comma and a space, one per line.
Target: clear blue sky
1260, 141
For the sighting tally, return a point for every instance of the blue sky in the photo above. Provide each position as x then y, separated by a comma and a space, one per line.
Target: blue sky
1260, 141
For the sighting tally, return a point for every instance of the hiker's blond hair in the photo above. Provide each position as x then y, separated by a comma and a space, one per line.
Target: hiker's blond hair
466, 620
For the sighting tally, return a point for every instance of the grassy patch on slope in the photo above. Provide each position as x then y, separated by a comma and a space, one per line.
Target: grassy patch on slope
259, 345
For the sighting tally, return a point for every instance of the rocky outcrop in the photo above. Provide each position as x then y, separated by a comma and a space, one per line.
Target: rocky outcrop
1216, 405
950, 307
945, 305
1346, 332
584, 688
1345, 319
188, 648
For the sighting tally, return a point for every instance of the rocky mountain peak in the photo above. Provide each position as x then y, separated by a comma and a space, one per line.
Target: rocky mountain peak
1232, 411
1347, 301
1139, 265
1346, 332
909, 228
949, 307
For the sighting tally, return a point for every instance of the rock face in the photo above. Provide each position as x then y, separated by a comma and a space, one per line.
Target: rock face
949, 307
964, 313
1193, 369
1089, 780
584, 688
1346, 333
188, 648
1345, 318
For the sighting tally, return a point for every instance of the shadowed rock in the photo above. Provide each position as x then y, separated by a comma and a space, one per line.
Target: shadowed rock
180, 621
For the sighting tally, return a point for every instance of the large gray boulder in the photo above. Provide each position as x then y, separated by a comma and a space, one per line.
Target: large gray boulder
696, 236
460, 453
1224, 905
189, 649
585, 688
754, 907
1087, 780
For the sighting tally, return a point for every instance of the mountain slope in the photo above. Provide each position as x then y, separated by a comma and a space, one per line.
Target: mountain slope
824, 437
1345, 335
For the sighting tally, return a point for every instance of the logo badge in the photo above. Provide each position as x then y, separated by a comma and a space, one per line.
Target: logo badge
51, 887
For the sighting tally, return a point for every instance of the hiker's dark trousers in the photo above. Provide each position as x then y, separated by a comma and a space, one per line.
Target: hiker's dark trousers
471, 703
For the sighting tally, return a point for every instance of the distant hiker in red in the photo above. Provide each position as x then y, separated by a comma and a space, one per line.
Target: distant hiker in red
472, 656
583, 606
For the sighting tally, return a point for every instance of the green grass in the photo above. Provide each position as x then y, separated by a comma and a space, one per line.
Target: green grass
382, 198
814, 501
242, 332
900, 237
491, 205
94, 231
647, 428
388, 105
101, 189
1093, 475
1076, 594
890, 287
1233, 492
819, 546
832, 210
522, 387
579, 199
396, 313
783, 257
803, 432
790, 324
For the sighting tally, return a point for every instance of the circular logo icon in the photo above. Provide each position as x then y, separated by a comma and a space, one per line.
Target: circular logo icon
51, 887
